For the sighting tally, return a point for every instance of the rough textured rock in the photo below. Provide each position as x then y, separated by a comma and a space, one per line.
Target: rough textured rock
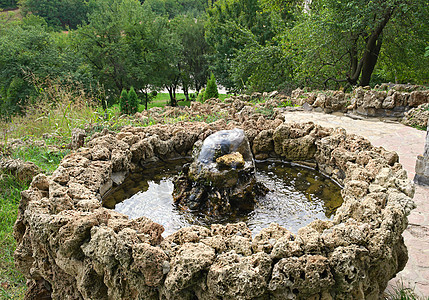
422, 164
70, 247
22, 170
417, 117
382, 101
77, 138
221, 177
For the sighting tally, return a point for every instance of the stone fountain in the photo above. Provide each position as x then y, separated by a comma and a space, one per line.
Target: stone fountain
221, 179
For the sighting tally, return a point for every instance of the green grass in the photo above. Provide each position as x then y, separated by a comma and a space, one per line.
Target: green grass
12, 283
163, 99
403, 292
46, 159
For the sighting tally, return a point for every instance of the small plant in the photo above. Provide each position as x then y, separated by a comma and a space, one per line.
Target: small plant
287, 103
12, 282
124, 102
200, 97
211, 88
133, 101
402, 292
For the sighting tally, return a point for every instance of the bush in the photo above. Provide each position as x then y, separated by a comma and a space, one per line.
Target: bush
200, 97
133, 101
124, 102
211, 88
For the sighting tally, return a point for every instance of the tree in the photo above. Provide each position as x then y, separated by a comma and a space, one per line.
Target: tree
124, 102
232, 26
340, 41
174, 8
26, 50
8, 4
121, 44
261, 69
64, 13
193, 65
211, 88
133, 101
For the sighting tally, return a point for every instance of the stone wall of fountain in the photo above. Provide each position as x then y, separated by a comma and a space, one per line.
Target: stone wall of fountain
71, 247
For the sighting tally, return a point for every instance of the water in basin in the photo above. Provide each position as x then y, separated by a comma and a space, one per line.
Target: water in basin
297, 196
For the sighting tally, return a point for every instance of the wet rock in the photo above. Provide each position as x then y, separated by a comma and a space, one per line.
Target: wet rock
221, 178
232, 160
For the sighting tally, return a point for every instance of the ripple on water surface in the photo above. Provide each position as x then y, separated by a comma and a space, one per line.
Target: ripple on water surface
297, 196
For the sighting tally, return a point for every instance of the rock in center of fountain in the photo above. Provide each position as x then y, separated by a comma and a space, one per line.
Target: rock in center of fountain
221, 179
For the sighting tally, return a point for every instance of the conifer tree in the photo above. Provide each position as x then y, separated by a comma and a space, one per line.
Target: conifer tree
124, 102
133, 101
211, 88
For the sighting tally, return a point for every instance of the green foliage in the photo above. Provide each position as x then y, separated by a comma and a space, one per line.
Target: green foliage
58, 13
12, 281
402, 292
211, 88
200, 97
174, 8
8, 4
261, 69
43, 157
133, 101
124, 102
234, 25
25, 48
341, 42
193, 65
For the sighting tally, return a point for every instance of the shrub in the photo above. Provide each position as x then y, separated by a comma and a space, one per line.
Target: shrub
200, 97
133, 101
124, 102
211, 88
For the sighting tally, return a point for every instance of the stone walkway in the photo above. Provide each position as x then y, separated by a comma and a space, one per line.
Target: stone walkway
408, 143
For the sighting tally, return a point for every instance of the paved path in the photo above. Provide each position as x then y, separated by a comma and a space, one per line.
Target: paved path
408, 143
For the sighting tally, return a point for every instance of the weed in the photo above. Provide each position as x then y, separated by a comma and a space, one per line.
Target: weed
402, 292
267, 112
48, 160
287, 103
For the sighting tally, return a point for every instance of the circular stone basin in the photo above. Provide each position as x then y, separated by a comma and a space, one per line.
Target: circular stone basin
296, 196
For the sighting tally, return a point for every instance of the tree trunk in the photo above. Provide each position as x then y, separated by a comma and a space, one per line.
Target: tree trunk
145, 106
172, 92
186, 92
369, 61
372, 50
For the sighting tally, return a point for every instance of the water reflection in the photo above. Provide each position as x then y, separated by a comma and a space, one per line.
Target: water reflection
297, 196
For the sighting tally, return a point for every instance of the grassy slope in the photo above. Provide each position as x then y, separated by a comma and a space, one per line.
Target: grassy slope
12, 283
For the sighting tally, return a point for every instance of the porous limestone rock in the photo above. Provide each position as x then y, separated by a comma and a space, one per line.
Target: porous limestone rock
422, 164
